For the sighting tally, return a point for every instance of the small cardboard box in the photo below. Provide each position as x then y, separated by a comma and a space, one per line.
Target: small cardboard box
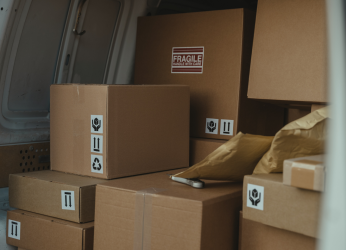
210, 52
153, 212
64, 196
201, 148
305, 172
34, 231
268, 201
257, 236
111, 131
288, 61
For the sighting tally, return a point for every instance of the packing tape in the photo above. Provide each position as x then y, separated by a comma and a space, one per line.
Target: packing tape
78, 94
143, 214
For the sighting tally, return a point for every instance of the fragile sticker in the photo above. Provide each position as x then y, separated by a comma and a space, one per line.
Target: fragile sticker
226, 127
211, 126
67, 200
97, 164
96, 143
97, 124
13, 229
255, 196
187, 60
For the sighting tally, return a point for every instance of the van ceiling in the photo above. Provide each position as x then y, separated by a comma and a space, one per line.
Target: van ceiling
184, 6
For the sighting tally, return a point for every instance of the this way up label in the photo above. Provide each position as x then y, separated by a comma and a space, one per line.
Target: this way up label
14, 229
96, 143
67, 200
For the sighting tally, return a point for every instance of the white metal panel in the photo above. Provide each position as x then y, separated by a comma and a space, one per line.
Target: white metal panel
3, 218
109, 51
333, 220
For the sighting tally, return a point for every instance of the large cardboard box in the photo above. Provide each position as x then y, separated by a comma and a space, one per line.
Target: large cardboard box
153, 212
64, 196
305, 172
201, 148
34, 231
289, 52
268, 201
210, 52
257, 236
111, 131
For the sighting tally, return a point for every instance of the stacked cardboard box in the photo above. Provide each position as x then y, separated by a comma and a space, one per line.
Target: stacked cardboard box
210, 52
285, 210
288, 64
153, 212
258, 236
305, 172
96, 131
102, 132
288, 68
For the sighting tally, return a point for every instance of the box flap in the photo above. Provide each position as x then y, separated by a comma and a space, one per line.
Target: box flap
213, 190
63, 178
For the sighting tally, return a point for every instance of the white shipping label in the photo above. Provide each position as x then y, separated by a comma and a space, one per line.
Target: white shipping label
255, 196
211, 126
226, 127
97, 164
97, 124
67, 200
96, 143
13, 229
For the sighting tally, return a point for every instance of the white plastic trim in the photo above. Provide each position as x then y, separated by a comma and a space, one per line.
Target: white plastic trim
333, 217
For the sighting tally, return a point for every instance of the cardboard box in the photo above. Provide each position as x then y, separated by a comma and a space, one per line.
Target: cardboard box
111, 131
315, 107
305, 172
34, 231
268, 201
289, 64
295, 114
153, 212
256, 236
218, 45
23, 158
3, 219
201, 148
64, 196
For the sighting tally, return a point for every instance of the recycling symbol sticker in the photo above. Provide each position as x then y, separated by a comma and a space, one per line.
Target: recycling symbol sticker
97, 164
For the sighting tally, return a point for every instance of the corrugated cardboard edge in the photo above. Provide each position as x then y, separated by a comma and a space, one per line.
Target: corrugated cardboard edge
88, 238
85, 214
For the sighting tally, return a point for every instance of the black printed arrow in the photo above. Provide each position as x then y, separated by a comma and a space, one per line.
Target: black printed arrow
70, 202
12, 229
16, 230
